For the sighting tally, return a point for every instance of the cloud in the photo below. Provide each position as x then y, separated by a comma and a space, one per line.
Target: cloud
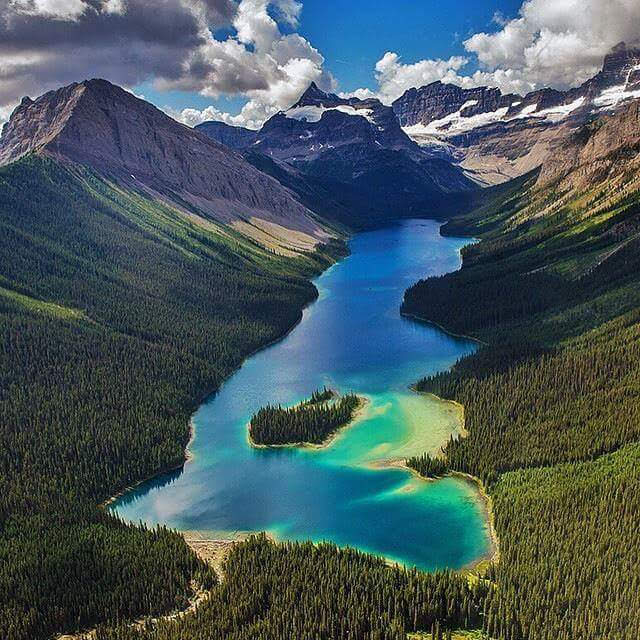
48, 43
557, 43
394, 77
55, 9
361, 94
270, 68
5, 112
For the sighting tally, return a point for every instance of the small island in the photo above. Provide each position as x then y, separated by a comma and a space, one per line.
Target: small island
312, 422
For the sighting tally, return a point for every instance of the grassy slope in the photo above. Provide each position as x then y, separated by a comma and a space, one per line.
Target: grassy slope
117, 315
553, 405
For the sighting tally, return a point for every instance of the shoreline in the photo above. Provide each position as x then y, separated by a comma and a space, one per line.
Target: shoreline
188, 455
358, 414
413, 316
492, 554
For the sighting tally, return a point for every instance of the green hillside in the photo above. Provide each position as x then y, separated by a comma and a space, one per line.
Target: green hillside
552, 403
117, 316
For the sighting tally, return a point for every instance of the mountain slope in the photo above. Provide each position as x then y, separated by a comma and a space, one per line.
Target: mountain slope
101, 126
118, 314
354, 149
552, 401
495, 137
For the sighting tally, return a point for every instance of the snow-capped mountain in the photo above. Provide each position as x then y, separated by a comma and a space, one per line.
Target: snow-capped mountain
495, 137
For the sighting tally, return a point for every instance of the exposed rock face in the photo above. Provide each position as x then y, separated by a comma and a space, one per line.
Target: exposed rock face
321, 120
596, 151
228, 135
437, 100
496, 137
103, 127
357, 149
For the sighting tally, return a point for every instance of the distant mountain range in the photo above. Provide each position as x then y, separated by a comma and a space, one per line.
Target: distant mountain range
326, 160
495, 137
441, 135
353, 148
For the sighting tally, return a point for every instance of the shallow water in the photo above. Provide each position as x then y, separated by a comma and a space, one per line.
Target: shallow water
352, 338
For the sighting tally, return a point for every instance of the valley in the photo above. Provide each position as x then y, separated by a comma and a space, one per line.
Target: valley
459, 265
353, 340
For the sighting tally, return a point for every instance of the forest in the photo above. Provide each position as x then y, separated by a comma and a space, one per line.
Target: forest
552, 407
312, 421
428, 466
117, 316
302, 590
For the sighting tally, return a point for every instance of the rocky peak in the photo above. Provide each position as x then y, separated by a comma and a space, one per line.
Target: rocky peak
101, 126
621, 58
314, 96
621, 68
439, 100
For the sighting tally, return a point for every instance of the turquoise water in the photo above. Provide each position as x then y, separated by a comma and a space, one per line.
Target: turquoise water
351, 338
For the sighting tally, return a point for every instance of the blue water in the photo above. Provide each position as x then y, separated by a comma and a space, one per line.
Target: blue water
351, 338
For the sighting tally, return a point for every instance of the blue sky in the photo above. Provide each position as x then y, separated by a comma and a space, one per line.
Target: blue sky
352, 35
355, 36
241, 61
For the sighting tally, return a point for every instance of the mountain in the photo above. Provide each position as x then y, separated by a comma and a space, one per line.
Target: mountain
228, 135
141, 263
552, 402
354, 149
599, 151
495, 137
98, 125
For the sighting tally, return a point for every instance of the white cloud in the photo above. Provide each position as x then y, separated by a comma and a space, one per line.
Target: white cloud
114, 6
549, 43
270, 68
394, 77
361, 94
5, 112
557, 43
56, 9
192, 117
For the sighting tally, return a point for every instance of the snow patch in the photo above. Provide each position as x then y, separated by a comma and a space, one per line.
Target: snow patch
313, 113
526, 112
454, 123
436, 132
613, 96
555, 114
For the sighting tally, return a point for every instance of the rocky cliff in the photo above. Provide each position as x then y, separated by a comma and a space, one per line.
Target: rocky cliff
495, 137
101, 126
596, 152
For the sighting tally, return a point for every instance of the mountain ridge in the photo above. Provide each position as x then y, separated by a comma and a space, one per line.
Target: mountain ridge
99, 125
495, 137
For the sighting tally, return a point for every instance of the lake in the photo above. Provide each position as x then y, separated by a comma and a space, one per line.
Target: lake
351, 339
